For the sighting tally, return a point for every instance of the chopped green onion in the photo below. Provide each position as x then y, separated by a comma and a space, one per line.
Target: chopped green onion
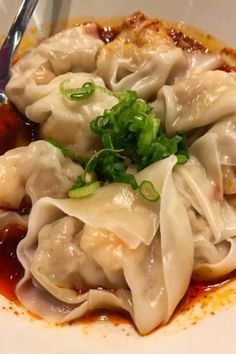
78, 94
182, 155
84, 191
78, 183
130, 133
90, 164
132, 125
107, 140
182, 159
58, 145
148, 191
126, 178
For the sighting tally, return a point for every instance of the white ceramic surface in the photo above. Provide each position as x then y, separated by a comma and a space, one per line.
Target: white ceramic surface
214, 16
23, 335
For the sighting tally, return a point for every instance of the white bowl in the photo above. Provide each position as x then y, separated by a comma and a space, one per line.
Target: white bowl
24, 335
214, 16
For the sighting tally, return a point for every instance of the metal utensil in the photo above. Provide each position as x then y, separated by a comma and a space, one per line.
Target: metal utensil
12, 42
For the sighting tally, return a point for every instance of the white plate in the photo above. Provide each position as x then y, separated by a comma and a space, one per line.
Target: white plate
21, 334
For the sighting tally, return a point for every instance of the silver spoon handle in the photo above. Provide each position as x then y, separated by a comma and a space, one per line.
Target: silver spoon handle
15, 34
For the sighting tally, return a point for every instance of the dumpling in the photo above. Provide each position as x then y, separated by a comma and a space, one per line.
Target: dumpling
72, 50
197, 101
69, 121
201, 62
36, 170
212, 218
142, 57
213, 262
79, 249
202, 195
229, 179
215, 150
225, 131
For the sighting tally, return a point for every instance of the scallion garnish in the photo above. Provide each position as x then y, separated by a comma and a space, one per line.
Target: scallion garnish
78, 183
110, 166
77, 94
103, 153
148, 191
132, 125
84, 191
130, 133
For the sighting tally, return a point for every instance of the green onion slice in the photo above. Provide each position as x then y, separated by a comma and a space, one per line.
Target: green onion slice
84, 191
60, 146
77, 94
78, 183
148, 191
182, 159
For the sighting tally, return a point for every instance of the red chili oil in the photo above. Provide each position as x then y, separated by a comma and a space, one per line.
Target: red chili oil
15, 129
108, 33
185, 42
11, 271
198, 289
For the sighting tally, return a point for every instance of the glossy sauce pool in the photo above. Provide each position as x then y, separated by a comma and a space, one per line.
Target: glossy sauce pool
11, 271
15, 131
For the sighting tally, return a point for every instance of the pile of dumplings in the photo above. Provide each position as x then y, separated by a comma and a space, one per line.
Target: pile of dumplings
76, 251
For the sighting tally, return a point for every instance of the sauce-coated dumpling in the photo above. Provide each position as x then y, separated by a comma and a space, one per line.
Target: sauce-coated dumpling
36, 170
143, 57
116, 240
197, 101
72, 50
69, 121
